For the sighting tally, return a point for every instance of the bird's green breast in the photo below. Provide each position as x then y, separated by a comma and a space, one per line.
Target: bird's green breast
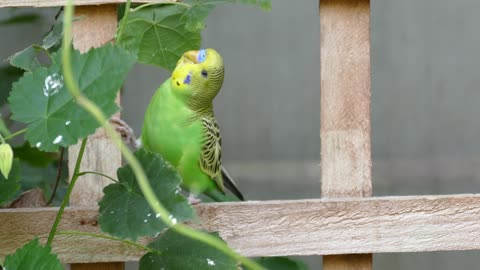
169, 126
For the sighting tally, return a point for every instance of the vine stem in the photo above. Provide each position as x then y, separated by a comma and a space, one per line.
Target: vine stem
75, 176
97, 173
59, 175
124, 20
166, 3
15, 134
110, 238
137, 169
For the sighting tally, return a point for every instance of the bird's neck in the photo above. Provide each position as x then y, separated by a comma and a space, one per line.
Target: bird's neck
203, 111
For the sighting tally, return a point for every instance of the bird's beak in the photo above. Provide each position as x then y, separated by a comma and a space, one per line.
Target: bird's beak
191, 56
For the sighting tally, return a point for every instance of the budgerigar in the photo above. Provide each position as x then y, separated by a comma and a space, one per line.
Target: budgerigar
180, 124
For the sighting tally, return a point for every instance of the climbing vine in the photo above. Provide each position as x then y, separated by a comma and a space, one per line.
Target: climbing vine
62, 96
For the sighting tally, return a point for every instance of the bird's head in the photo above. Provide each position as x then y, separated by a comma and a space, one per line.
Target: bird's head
198, 76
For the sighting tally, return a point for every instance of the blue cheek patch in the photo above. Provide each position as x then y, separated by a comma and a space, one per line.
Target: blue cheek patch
187, 79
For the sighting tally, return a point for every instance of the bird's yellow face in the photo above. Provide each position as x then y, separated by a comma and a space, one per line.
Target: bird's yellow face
198, 73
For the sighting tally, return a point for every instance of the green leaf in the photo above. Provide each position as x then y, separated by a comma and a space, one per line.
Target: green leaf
54, 37
27, 58
33, 156
33, 256
41, 100
282, 263
10, 186
175, 251
125, 213
195, 16
157, 34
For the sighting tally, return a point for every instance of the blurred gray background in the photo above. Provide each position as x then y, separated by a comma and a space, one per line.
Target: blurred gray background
425, 101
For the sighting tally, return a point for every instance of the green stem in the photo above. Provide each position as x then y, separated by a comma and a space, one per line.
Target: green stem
97, 173
15, 134
109, 238
2, 139
167, 3
69, 191
127, 154
124, 20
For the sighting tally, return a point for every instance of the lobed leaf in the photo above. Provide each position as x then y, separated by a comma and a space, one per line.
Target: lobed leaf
40, 99
26, 59
33, 256
175, 251
124, 211
158, 35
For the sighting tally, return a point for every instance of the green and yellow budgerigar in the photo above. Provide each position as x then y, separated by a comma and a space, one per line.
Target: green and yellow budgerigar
180, 124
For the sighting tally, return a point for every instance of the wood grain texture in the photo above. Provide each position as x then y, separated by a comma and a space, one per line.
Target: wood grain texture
345, 108
346, 262
345, 98
279, 228
55, 3
96, 26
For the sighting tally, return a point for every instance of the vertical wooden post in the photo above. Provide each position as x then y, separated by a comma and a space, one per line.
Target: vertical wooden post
345, 109
96, 25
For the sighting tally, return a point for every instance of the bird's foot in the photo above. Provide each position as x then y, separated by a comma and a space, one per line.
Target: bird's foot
126, 132
192, 199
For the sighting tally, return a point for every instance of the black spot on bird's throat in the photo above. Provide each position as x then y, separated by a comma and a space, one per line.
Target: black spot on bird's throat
204, 73
178, 83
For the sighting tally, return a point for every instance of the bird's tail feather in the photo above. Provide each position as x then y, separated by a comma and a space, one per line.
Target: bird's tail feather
230, 184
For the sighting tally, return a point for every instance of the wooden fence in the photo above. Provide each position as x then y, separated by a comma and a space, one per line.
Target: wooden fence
343, 222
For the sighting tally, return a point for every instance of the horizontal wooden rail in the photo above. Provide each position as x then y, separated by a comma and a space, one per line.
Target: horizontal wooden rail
56, 3
276, 228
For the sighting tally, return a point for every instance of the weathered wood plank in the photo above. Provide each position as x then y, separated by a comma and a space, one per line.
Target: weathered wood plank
55, 3
345, 109
345, 98
278, 228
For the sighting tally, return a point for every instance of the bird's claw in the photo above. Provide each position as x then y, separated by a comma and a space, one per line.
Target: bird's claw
192, 199
125, 131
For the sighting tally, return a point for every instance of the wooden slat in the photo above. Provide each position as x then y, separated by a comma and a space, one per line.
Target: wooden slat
345, 109
55, 3
97, 26
280, 228
345, 98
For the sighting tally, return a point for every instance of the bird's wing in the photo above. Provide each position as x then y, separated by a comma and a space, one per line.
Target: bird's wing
211, 155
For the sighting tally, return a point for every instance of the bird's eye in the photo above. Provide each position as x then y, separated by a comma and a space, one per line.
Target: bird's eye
202, 55
204, 73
